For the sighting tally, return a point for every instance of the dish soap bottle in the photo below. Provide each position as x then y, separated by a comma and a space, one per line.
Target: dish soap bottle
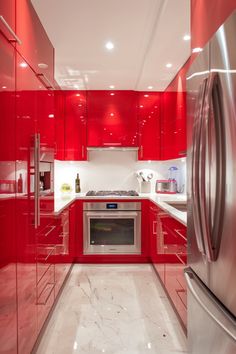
77, 184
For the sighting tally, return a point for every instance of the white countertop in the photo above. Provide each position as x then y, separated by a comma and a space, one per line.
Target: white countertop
160, 200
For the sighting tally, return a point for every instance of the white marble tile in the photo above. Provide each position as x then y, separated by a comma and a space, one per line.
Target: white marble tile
114, 309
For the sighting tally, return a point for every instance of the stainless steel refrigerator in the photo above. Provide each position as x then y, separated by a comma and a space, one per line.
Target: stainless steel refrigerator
211, 162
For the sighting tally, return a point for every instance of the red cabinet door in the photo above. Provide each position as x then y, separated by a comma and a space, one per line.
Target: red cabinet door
36, 47
149, 118
59, 124
26, 119
8, 19
153, 212
112, 118
8, 288
75, 125
46, 117
173, 138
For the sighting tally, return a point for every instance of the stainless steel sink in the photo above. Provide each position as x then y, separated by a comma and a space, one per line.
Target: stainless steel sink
179, 205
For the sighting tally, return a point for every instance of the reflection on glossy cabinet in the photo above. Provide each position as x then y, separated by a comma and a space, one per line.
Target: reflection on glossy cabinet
75, 125
149, 120
112, 118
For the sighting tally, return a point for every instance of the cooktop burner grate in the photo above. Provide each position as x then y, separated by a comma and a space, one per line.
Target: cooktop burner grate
130, 193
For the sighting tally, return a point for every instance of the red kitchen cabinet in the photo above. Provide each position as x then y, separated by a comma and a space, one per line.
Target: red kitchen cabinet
112, 118
46, 117
8, 283
36, 47
26, 117
169, 256
75, 125
63, 246
59, 97
149, 120
8, 18
173, 126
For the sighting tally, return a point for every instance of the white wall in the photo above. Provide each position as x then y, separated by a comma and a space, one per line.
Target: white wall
113, 170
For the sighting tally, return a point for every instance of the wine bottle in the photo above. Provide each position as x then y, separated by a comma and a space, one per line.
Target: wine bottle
77, 184
20, 184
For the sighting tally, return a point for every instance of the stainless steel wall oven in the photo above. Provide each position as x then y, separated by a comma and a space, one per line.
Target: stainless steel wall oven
112, 228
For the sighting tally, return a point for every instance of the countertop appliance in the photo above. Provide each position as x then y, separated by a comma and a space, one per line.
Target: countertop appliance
130, 193
211, 279
167, 186
112, 228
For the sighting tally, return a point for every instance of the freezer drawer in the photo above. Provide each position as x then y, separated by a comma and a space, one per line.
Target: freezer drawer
211, 329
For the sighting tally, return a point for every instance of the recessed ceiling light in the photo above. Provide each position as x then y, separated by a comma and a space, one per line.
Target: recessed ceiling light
150, 87
23, 65
141, 106
111, 114
168, 65
109, 45
186, 37
51, 116
4, 87
146, 95
197, 50
112, 86
77, 94
112, 94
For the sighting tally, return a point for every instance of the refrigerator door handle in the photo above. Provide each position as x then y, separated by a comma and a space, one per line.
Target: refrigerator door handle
195, 168
210, 304
212, 111
36, 181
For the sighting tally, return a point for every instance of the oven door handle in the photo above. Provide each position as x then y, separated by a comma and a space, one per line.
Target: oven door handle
114, 214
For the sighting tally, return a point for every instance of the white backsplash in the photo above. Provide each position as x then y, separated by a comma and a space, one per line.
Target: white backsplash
114, 170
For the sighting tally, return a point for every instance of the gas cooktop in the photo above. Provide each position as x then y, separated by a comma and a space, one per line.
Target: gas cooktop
131, 193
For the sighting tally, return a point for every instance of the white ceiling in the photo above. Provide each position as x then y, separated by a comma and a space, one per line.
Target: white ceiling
147, 34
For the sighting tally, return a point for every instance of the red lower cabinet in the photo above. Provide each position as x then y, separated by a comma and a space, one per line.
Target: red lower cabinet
168, 252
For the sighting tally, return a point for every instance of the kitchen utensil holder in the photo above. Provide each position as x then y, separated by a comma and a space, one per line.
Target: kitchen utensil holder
145, 187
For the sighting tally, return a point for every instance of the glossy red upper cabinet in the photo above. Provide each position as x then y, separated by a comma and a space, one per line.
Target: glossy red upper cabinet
149, 118
59, 99
112, 118
8, 19
75, 125
46, 117
173, 128
36, 47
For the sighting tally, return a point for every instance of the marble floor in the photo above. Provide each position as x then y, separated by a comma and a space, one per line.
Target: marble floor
113, 309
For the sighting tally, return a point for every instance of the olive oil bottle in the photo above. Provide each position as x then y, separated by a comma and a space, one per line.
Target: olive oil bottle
77, 184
